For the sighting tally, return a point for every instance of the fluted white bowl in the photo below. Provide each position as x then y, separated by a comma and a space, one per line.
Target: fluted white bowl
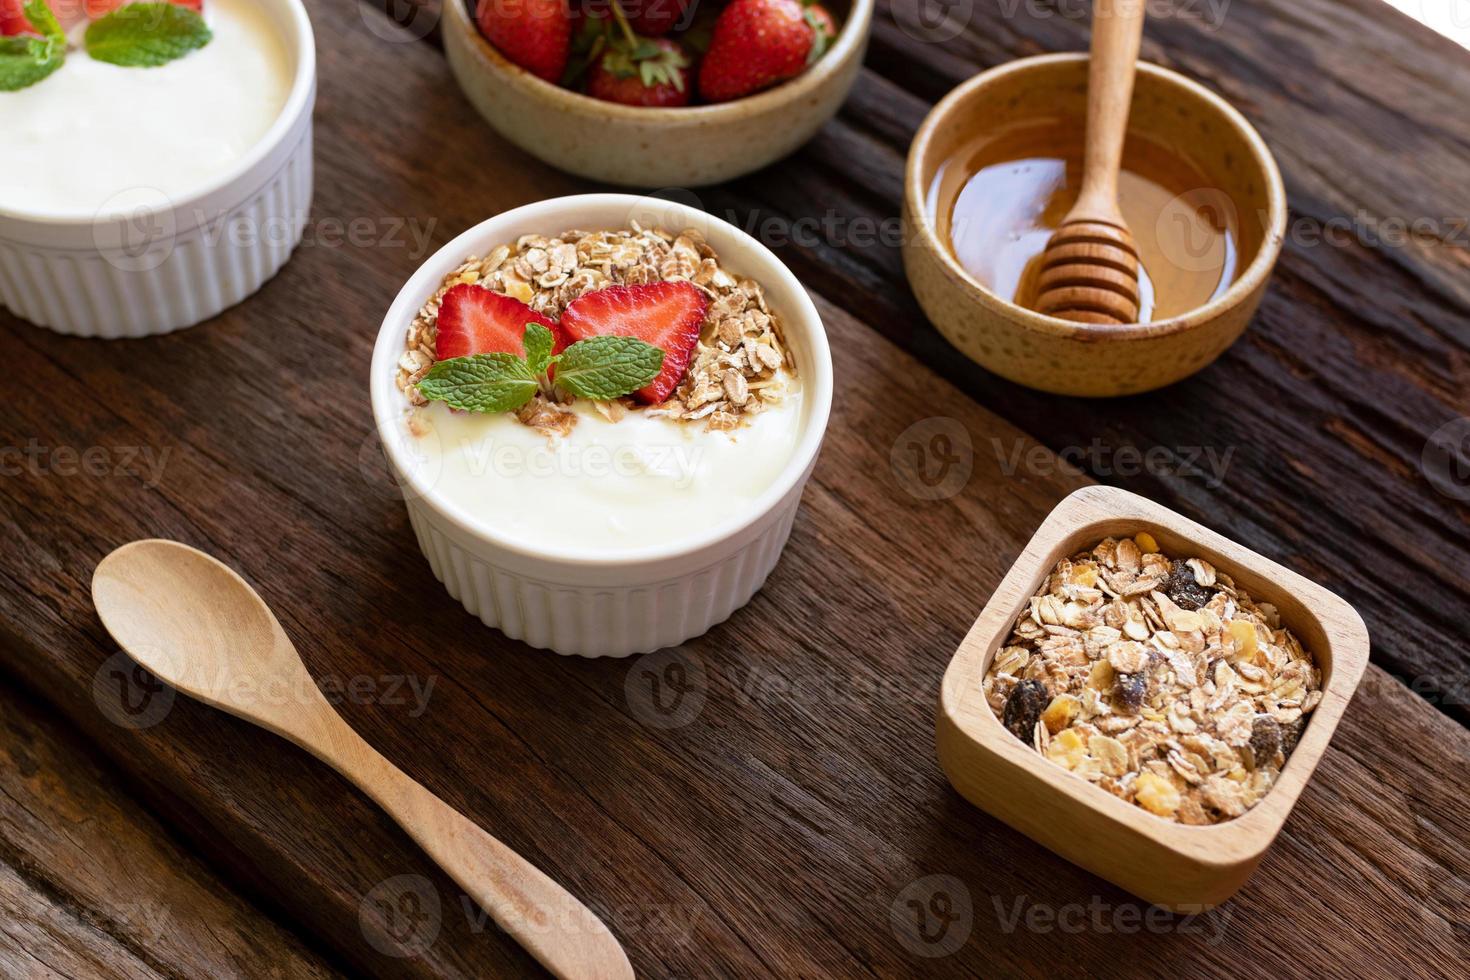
165, 264
581, 601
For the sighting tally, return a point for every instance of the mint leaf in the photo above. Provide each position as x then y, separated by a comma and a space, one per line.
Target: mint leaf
26, 60
146, 35
604, 368
539, 341
481, 383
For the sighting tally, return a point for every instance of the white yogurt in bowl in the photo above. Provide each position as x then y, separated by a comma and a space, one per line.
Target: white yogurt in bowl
137, 201
615, 487
91, 131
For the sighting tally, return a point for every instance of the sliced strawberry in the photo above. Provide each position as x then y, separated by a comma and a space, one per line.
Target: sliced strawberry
97, 9
13, 19
665, 314
70, 12
473, 320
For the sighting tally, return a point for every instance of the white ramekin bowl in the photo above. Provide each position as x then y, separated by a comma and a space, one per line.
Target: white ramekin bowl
160, 265
581, 602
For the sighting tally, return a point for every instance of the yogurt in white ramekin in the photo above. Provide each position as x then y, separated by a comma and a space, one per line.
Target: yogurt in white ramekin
643, 532
91, 130
616, 486
136, 201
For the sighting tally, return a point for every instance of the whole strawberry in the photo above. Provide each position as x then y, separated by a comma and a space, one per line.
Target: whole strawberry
756, 44
824, 24
656, 74
535, 34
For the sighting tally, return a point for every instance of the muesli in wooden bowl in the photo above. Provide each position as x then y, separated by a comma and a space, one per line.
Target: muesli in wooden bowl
1157, 679
1133, 660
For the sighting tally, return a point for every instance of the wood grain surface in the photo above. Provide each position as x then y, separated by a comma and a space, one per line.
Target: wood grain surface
93, 886
778, 810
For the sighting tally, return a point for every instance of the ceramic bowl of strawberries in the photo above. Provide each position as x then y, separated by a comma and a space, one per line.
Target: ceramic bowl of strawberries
657, 93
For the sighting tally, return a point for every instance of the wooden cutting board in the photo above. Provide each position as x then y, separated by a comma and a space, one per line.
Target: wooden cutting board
779, 810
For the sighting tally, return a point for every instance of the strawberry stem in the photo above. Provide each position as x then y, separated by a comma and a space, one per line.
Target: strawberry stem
627, 29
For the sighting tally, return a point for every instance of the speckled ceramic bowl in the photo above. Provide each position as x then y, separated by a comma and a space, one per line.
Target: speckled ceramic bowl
654, 148
1086, 359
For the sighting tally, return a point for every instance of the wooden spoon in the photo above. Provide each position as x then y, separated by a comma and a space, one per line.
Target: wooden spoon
199, 626
1089, 271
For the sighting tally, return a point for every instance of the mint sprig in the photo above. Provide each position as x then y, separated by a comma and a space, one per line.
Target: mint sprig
25, 59
146, 35
600, 368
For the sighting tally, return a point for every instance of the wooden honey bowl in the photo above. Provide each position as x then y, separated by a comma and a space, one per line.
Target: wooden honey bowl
1176, 866
1060, 356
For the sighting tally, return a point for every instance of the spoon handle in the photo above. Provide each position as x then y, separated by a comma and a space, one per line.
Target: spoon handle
1117, 35
564, 935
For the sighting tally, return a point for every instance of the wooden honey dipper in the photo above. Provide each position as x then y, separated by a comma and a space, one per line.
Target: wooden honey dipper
1089, 271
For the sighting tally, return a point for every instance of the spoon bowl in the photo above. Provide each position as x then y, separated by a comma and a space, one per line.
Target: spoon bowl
195, 624
199, 626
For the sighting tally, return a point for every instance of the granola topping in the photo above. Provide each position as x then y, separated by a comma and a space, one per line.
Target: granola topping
740, 367
1157, 679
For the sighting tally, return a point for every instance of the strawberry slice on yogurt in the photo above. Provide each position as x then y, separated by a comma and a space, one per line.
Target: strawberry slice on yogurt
69, 13
13, 19
473, 320
667, 315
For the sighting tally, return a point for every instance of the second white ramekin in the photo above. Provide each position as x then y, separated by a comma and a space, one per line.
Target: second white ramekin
166, 264
585, 603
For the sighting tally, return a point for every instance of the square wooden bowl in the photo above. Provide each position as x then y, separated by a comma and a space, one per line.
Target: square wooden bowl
1176, 866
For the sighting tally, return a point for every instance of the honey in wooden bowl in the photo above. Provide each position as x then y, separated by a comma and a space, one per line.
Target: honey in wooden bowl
1171, 113
997, 199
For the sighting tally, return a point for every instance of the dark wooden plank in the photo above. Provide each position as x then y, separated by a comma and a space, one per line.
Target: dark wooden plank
1362, 348
92, 886
777, 830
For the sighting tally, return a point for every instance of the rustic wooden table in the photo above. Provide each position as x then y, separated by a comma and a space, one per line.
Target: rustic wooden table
779, 810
